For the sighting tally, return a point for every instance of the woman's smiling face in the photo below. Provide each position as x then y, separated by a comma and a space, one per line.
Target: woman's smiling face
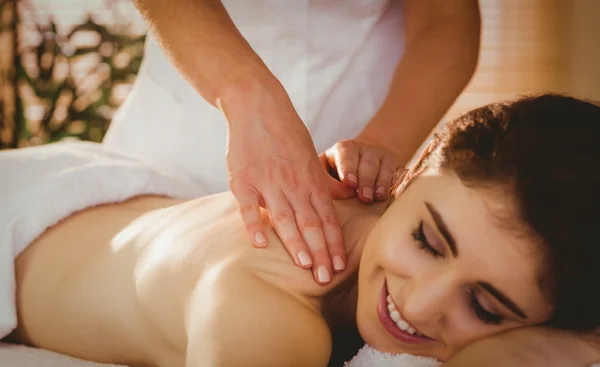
439, 264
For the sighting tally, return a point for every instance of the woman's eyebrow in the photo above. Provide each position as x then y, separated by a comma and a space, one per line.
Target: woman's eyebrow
442, 228
502, 298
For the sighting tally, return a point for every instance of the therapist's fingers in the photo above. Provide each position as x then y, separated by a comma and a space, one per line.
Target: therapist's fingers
345, 155
248, 200
284, 223
368, 169
311, 229
331, 228
387, 170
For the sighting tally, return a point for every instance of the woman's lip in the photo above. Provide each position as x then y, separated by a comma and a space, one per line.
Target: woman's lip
389, 324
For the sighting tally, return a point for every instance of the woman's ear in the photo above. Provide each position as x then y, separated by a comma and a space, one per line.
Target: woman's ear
416, 167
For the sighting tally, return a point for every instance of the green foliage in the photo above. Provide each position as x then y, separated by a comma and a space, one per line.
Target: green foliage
67, 103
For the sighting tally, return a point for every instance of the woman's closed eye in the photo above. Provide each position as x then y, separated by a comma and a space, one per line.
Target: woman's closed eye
425, 244
482, 314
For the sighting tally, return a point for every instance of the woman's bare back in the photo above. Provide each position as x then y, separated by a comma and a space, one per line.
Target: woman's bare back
155, 281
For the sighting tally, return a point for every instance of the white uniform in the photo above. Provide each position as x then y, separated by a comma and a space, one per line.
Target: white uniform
335, 59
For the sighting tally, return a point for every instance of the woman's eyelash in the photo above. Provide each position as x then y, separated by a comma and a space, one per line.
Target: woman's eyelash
419, 236
486, 317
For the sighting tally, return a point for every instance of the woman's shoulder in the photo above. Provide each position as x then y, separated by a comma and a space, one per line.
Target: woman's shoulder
252, 322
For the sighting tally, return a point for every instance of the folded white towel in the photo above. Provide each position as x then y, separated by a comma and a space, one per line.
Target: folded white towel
370, 357
21, 356
40, 186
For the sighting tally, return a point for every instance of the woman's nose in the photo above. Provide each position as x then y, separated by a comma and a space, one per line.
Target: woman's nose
428, 297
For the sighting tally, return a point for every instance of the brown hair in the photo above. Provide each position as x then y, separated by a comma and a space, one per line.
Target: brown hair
544, 151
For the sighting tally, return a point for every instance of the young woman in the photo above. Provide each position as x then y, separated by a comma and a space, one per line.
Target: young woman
493, 229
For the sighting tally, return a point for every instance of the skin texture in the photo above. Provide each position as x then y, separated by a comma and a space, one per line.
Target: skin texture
159, 282
442, 43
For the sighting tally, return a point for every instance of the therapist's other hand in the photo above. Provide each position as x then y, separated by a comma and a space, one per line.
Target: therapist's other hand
273, 163
362, 166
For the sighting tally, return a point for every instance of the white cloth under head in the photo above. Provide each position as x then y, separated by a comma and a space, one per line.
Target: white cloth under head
370, 357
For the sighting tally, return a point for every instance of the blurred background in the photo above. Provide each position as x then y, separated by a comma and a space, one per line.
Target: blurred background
66, 65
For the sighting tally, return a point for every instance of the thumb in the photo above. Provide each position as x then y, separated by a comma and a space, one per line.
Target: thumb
338, 190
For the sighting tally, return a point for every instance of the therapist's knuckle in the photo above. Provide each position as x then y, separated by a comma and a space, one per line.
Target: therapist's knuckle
240, 184
282, 216
252, 228
330, 220
368, 171
309, 222
342, 144
249, 210
346, 146
371, 155
235, 184
349, 161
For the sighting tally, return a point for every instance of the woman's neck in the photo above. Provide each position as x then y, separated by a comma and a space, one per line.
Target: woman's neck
339, 305
357, 221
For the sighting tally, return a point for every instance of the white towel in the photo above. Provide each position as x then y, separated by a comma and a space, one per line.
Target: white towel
21, 356
370, 357
39, 186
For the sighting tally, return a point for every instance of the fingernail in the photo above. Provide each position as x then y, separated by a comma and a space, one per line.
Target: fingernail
304, 258
367, 193
323, 274
338, 263
352, 178
381, 191
259, 238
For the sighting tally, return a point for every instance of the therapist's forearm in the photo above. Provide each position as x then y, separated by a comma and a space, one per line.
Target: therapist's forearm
206, 47
438, 63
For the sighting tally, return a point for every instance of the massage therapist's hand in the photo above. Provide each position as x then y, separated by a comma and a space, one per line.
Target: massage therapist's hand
530, 347
362, 166
273, 164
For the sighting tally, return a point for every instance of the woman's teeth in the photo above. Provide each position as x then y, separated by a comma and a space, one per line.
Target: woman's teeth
395, 315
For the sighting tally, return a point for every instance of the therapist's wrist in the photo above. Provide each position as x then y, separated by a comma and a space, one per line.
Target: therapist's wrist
259, 98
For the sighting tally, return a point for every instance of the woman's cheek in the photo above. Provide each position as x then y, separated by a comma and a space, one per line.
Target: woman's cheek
400, 255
